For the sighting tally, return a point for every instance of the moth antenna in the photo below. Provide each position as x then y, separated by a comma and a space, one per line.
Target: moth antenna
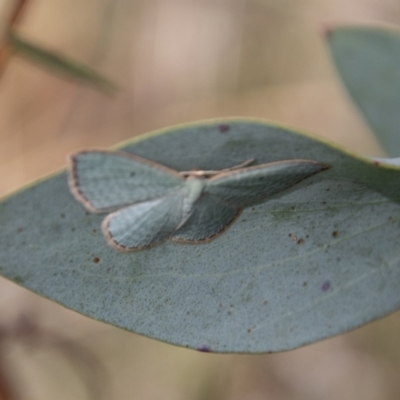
202, 174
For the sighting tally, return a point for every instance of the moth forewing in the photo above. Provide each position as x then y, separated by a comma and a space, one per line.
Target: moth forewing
253, 185
105, 181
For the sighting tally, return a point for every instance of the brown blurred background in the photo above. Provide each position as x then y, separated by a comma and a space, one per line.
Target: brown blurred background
180, 61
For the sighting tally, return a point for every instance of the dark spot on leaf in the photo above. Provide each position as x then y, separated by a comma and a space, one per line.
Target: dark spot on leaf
87, 213
328, 189
19, 230
56, 228
132, 174
390, 219
94, 230
249, 330
334, 233
229, 312
224, 128
305, 284
300, 241
324, 202
204, 349
290, 235
96, 260
73, 229
220, 305
18, 279
62, 215
326, 286
265, 302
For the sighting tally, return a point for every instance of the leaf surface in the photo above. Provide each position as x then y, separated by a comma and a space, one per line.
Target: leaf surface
316, 260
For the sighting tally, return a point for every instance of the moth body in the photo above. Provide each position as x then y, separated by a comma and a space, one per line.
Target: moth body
194, 187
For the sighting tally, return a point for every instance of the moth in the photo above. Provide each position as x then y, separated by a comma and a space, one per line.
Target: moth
148, 203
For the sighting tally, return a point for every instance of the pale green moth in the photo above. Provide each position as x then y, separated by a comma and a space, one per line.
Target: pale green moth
150, 203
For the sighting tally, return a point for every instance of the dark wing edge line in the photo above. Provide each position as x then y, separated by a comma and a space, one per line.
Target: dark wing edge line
129, 156
73, 183
113, 243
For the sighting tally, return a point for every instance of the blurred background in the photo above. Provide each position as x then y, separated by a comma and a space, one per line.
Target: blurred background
179, 61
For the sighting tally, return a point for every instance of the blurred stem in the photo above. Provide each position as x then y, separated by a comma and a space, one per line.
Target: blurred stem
13, 43
6, 51
6, 392
6, 388
17, 15
5, 54
59, 63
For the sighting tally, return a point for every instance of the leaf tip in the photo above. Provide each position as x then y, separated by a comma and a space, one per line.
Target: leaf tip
204, 349
326, 30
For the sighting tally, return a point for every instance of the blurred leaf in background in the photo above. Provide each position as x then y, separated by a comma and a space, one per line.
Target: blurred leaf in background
368, 60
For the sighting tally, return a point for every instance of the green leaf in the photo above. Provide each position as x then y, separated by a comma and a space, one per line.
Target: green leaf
314, 261
59, 63
368, 60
